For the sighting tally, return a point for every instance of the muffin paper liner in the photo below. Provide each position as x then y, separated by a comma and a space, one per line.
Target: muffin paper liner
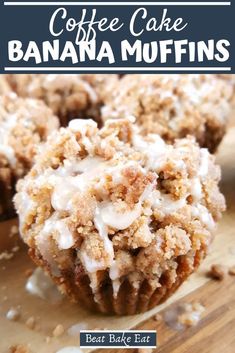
130, 299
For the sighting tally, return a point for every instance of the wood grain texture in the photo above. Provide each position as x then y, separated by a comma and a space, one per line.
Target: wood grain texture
215, 332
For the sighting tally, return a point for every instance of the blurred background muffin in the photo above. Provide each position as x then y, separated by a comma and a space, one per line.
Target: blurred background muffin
68, 95
24, 125
174, 106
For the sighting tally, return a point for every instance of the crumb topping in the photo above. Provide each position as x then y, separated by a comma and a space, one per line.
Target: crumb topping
173, 105
68, 95
232, 271
24, 124
19, 348
218, 272
184, 315
58, 330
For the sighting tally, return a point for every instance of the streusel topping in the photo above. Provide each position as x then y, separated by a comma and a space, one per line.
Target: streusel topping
68, 95
173, 105
24, 124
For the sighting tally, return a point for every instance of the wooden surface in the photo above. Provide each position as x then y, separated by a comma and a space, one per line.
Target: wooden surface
214, 333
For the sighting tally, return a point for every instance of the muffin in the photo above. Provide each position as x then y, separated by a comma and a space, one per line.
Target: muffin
118, 220
69, 96
24, 124
228, 77
174, 106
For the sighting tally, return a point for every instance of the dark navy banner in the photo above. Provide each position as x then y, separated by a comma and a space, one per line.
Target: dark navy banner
117, 36
118, 339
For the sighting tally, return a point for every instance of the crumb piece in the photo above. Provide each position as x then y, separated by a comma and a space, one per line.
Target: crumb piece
218, 272
13, 231
58, 331
19, 348
28, 272
232, 271
5, 255
157, 317
154, 101
13, 314
15, 249
192, 314
183, 315
30, 322
48, 339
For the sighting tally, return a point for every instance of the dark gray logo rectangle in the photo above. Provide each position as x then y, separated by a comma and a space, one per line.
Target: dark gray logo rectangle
118, 339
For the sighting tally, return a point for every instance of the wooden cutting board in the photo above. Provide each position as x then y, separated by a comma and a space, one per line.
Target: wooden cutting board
214, 333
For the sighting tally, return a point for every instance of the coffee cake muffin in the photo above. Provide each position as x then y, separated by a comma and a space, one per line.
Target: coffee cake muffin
24, 124
119, 220
69, 96
174, 105
228, 77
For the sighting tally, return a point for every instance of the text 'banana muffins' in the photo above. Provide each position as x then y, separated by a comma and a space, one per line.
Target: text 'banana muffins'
174, 105
69, 96
119, 220
24, 124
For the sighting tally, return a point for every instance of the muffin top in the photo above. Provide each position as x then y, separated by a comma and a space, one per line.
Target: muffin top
172, 105
228, 77
65, 94
24, 124
114, 200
